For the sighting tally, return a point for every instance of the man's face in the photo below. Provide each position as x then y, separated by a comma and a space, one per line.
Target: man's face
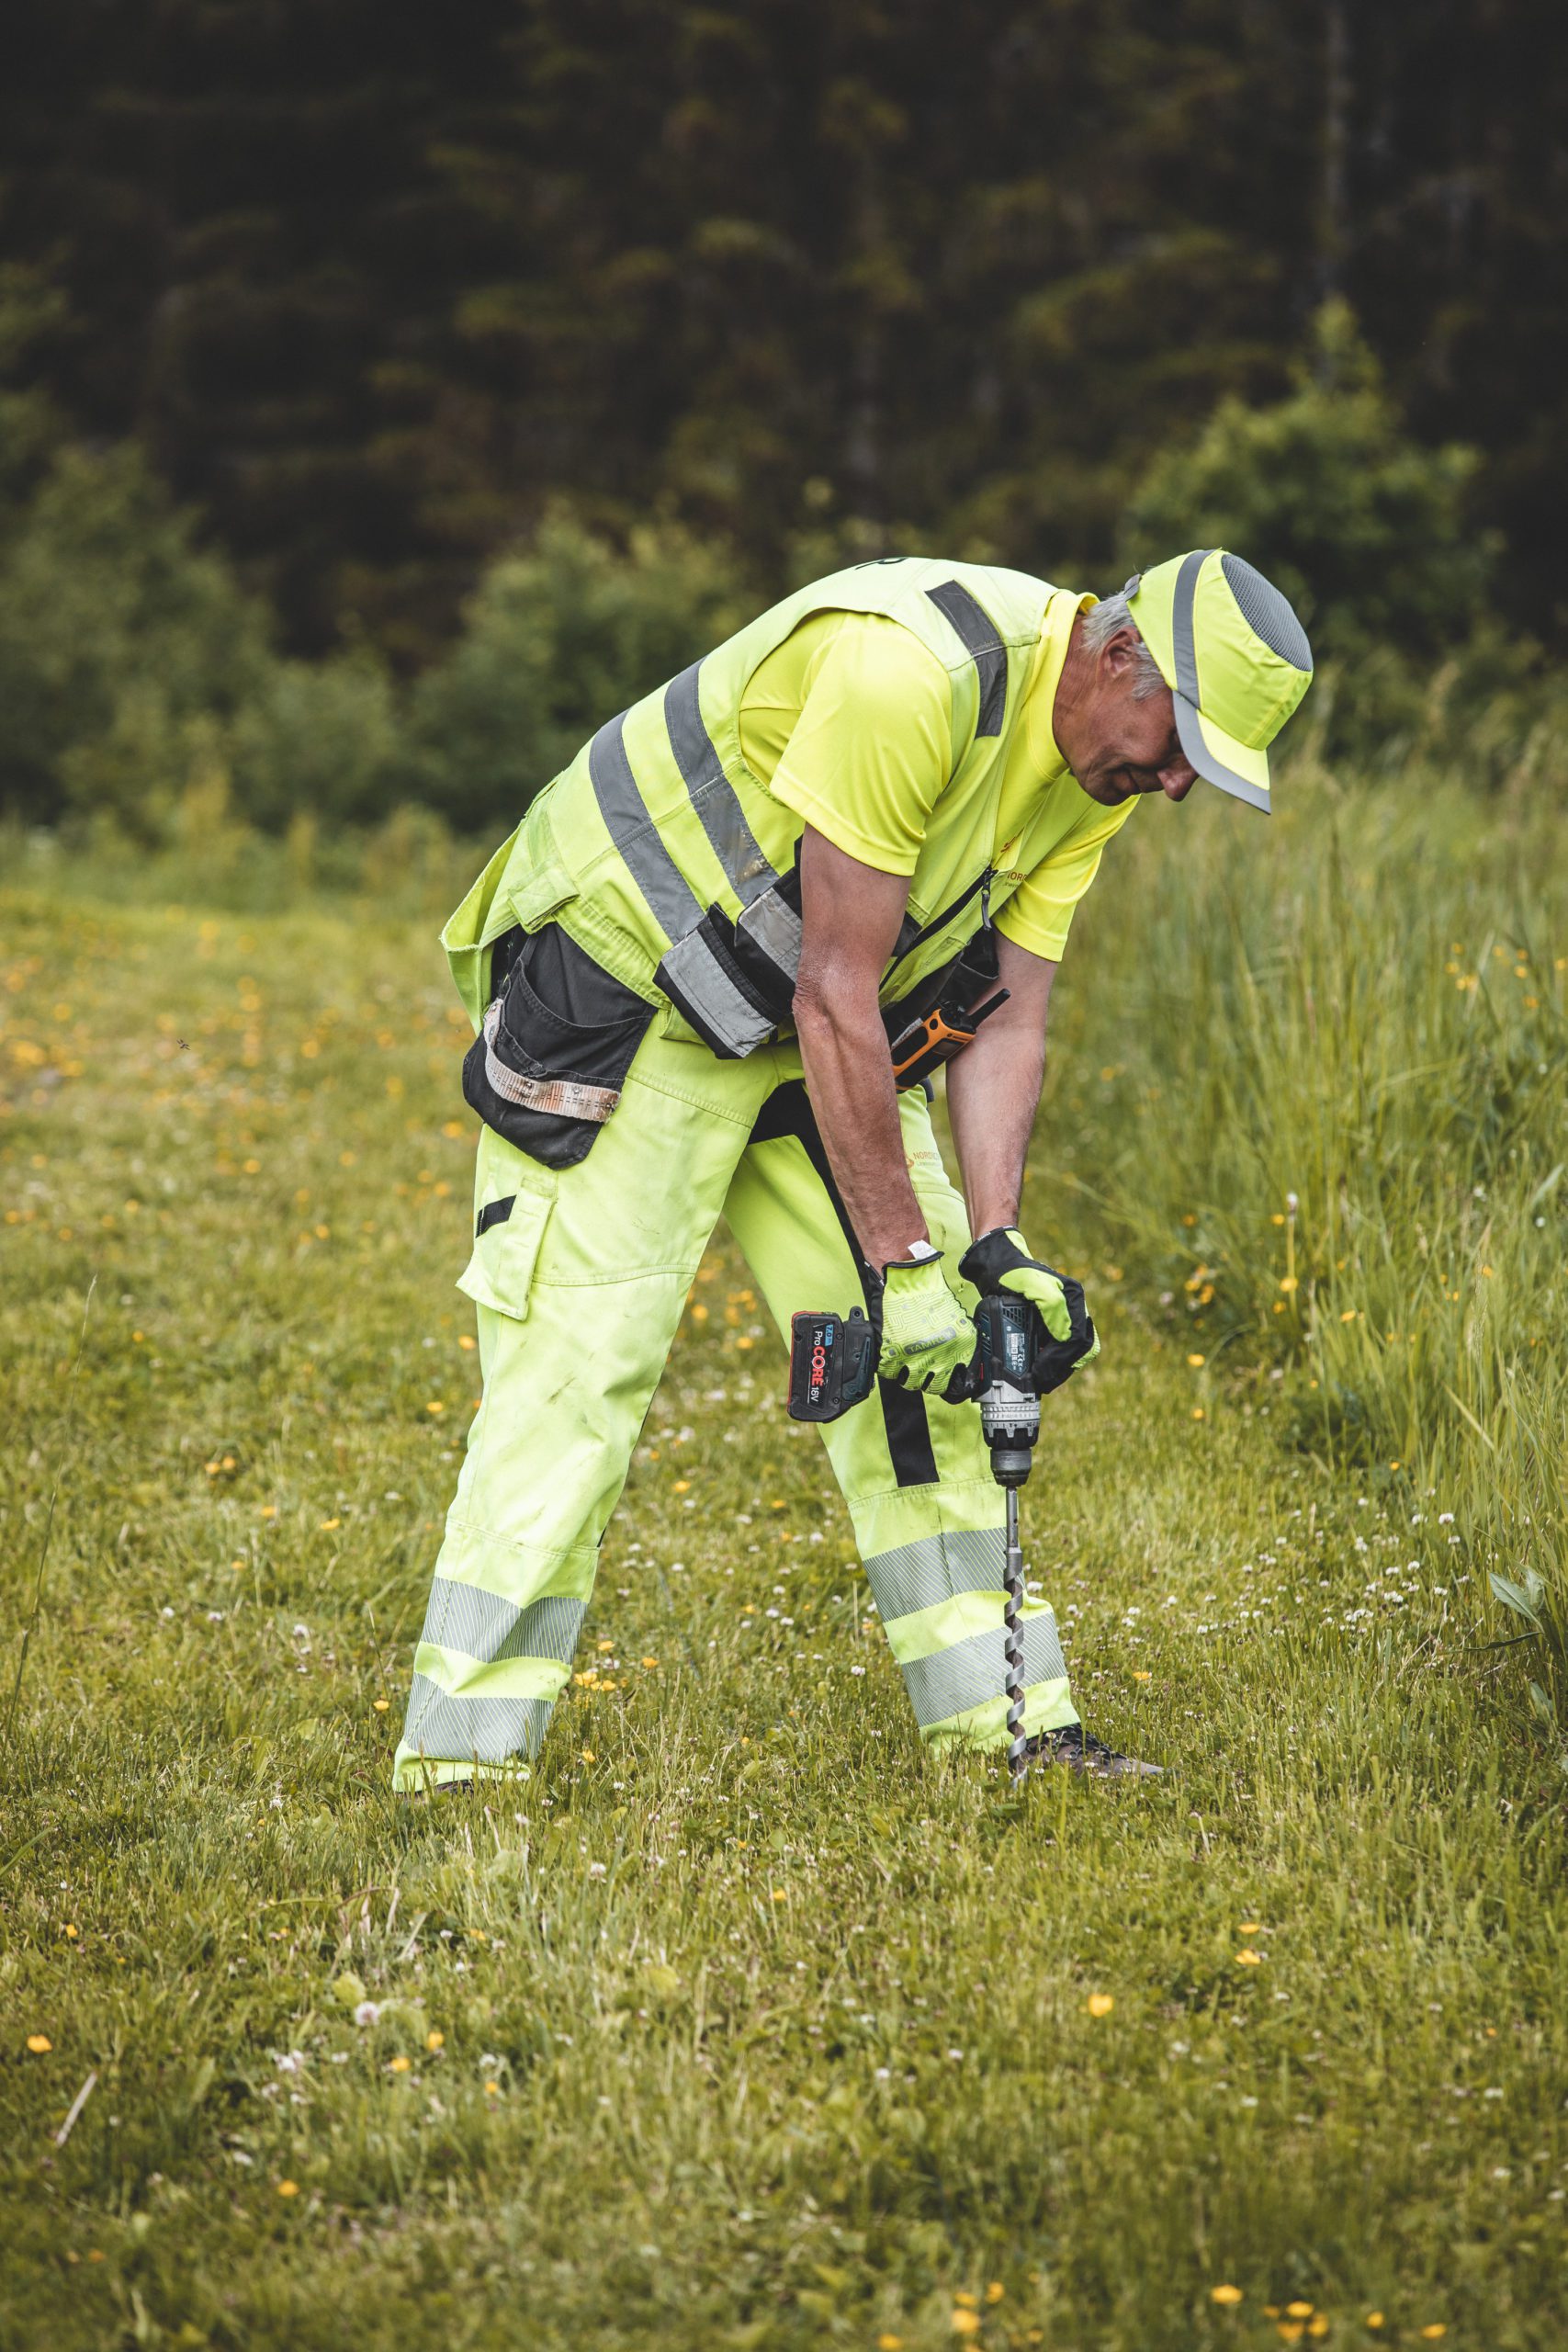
1120, 746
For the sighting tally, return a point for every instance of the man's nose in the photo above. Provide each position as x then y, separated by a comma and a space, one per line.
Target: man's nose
1176, 780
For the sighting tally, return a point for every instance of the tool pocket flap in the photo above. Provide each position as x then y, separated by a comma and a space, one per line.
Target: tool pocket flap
508, 1230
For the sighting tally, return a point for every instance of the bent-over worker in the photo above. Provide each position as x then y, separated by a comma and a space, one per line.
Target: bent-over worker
684, 969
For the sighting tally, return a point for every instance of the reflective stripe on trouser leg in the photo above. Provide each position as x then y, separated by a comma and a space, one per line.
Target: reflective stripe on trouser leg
933, 1543
569, 1371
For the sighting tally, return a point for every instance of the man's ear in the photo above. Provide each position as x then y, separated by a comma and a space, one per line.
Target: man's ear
1119, 653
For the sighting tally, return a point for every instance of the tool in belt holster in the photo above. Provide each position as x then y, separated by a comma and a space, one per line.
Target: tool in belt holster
937, 1035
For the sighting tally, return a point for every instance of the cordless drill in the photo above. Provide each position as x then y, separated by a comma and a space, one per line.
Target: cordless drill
1009, 1417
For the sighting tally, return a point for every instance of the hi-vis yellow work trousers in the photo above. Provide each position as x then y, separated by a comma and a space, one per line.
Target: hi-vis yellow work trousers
580, 1275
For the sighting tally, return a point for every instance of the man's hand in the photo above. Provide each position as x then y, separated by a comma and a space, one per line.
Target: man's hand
1000, 1261
928, 1337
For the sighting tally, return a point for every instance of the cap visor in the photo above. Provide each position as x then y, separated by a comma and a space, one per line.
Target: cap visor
1220, 759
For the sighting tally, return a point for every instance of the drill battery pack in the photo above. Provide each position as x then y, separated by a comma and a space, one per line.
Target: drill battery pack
832, 1361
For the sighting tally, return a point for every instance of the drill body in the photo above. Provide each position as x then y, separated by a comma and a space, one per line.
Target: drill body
1009, 1402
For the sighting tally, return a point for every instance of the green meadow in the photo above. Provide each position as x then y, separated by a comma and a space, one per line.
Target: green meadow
745, 2023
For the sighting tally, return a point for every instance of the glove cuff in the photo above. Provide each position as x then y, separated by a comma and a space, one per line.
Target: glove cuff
991, 1255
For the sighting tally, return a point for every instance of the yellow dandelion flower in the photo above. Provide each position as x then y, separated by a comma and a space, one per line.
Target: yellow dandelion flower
39, 2044
1250, 1927
436, 2039
1099, 2005
288, 2188
1196, 1360
888, 2342
380, 1705
1226, 2294
1374, 2319
1439, 2327
1247, 1957
1298, 2310
995, 2292
402, 2066
964, 2323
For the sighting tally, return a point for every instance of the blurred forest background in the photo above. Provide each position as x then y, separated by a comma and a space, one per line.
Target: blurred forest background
387, 394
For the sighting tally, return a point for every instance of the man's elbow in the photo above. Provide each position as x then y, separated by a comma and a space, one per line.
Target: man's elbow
811, 1006
830, 998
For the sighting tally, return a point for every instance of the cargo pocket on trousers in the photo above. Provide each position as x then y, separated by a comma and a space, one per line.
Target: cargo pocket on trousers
546, 1068
508, 1230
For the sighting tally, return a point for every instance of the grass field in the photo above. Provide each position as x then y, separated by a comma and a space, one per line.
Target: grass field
745, 2024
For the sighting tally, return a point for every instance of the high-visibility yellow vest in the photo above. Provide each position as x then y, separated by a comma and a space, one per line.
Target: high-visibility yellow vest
665, 858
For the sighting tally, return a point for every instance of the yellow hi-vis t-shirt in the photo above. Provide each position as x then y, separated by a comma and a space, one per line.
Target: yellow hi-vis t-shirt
849, 722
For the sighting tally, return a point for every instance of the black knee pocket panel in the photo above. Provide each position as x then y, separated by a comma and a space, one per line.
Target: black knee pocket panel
558, 1037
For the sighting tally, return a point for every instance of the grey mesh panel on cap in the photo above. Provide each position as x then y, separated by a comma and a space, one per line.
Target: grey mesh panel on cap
1267, 613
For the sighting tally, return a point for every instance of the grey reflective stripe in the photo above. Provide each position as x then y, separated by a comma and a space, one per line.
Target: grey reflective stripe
694, 976
451, 1730
670, 896
774, 924
965, 1676
563, 1098
978, 633
1184, 656
1211, 769
483, 1625
1183, 644
746, 869
933, 1568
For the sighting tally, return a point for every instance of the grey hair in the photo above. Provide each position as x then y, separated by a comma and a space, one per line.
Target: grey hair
1102, 621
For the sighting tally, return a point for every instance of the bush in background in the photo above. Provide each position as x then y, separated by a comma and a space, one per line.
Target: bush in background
1372, 538
557, 639
1366, 531
116, 630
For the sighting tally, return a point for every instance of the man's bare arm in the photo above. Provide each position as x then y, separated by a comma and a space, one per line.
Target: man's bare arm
850, 918
993, 1091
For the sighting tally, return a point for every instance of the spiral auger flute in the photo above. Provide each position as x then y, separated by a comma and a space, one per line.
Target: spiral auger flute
1013, 1643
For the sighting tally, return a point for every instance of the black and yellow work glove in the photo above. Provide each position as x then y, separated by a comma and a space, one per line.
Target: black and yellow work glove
926, 1335
1000, 1261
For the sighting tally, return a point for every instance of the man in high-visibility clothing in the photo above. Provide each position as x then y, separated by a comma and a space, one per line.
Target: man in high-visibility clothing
684, 968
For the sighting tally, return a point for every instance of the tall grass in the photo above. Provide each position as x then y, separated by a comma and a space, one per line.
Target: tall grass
1330, 1119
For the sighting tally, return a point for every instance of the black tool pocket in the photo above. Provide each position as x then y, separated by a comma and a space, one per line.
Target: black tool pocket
558, 1037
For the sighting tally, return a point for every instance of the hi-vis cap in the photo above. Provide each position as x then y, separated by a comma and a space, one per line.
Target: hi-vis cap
1234, 656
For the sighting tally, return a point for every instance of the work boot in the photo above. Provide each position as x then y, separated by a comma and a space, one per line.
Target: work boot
1082, 1752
